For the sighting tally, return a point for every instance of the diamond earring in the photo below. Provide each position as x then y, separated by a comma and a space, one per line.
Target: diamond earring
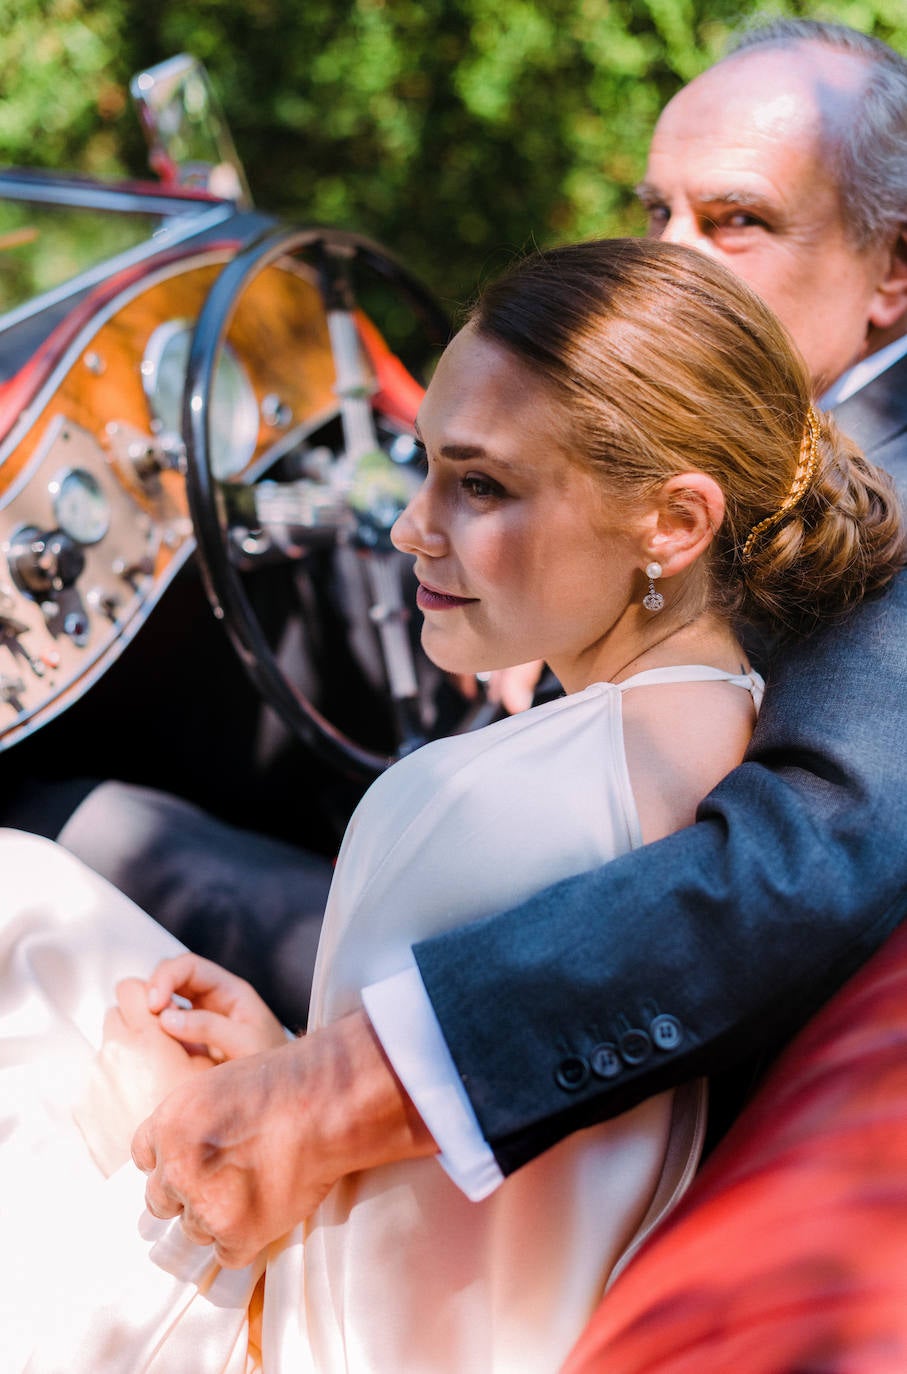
653, 600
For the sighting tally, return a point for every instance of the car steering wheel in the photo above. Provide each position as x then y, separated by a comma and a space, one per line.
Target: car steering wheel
352, 503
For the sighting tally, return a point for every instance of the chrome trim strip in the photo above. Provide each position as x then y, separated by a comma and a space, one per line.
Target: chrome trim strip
95, 195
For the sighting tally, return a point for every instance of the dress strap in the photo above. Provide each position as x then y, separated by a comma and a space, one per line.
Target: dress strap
752, 682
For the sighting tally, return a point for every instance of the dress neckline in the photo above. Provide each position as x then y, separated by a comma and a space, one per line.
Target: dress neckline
751, 682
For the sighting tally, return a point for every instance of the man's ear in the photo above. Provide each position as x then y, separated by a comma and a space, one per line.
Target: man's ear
888, 308
685, 514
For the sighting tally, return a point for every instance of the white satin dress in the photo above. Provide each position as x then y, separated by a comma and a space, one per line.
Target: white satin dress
396, 1272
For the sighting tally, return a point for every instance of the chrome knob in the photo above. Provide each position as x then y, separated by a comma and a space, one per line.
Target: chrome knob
44, 563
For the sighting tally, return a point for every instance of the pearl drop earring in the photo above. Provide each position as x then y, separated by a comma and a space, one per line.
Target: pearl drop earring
653, 600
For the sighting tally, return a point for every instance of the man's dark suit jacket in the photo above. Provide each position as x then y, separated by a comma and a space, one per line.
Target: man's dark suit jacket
688, 956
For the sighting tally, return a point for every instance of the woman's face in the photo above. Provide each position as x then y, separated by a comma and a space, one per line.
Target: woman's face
519, 553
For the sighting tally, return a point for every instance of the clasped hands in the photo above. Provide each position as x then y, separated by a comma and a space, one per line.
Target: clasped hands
248, 1130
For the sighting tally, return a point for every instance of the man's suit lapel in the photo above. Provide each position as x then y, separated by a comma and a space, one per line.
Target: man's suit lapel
877, 414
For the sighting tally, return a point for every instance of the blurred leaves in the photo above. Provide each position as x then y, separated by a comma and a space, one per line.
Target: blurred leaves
455, 131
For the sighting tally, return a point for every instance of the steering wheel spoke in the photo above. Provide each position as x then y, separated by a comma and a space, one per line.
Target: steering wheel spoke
282, 520
320, 499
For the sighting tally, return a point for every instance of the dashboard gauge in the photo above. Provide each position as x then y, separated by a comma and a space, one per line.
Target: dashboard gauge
81, 509
235, 415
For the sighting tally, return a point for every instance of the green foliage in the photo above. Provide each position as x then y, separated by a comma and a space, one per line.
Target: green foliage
60, 104
455, 131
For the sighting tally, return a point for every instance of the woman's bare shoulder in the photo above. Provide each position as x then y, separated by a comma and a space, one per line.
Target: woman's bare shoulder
681, 739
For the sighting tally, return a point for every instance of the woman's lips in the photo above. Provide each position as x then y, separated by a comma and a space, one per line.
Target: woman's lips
430, 599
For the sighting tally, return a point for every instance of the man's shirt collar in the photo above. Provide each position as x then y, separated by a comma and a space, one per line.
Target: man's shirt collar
862, 373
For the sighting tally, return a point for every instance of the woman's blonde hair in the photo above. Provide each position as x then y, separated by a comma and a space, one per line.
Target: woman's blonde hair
666, 363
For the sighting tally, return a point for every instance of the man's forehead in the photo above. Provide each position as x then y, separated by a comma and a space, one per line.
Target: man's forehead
767, 94
756, 125
741, 100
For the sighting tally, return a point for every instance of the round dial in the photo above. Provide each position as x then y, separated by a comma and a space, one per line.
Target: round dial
235, 415
80, 507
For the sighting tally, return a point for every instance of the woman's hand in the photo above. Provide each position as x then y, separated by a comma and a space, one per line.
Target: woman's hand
136, 1067
227, 1017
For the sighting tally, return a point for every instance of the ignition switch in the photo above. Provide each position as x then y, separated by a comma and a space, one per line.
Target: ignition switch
46, 566
44, 563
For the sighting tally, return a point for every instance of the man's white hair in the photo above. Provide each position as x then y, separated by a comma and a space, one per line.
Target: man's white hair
867, 147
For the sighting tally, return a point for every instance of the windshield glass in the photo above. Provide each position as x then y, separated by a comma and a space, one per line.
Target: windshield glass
43, 246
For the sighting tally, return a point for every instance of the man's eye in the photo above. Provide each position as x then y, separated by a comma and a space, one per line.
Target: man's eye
658, 216
419, 458
741, 219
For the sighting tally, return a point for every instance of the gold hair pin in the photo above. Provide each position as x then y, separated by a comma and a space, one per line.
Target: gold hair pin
806, 468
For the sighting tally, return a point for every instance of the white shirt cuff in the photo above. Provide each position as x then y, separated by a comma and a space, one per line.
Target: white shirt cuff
404, 1020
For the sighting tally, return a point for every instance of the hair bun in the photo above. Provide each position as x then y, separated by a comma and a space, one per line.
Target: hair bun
841, 540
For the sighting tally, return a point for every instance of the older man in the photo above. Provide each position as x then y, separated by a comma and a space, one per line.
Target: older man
787, 161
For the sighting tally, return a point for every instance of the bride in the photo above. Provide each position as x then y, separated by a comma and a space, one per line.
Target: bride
622, 463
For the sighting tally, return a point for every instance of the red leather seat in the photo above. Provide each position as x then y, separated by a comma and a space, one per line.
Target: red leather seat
788, 1255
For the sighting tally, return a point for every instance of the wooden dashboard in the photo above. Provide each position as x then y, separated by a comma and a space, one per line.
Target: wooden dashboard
94, 518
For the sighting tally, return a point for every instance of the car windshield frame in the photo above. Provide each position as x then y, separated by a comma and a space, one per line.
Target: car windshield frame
173, 217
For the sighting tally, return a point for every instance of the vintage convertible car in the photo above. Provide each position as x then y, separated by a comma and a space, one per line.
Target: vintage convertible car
194, 411
191, 395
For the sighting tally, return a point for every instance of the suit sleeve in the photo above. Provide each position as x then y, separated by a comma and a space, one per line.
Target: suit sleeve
685, 957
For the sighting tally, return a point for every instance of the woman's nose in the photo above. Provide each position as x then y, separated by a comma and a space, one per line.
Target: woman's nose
416, 530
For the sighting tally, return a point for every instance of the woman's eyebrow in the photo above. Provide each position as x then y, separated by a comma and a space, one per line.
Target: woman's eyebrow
456, 452
463, 453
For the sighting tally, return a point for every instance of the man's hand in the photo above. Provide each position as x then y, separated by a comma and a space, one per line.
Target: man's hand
227, 1015
515, 687
512, 688
249, 1149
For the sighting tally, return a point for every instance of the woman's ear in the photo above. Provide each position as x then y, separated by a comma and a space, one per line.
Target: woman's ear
685, 514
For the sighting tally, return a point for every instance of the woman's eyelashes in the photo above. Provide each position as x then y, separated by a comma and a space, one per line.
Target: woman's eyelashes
481, 488
476, 485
